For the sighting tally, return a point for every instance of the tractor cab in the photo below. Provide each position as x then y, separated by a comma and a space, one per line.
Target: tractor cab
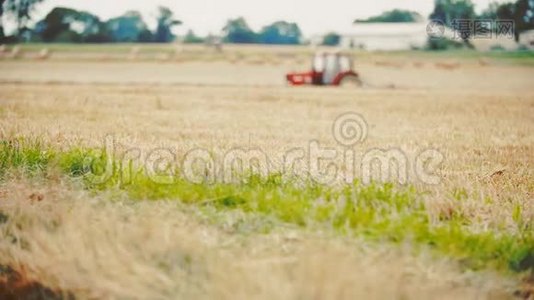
329, 65
327, 69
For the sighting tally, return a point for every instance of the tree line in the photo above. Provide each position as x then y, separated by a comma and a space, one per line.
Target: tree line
521, 12
68, 25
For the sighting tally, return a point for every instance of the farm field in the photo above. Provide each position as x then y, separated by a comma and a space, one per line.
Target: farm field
460, 224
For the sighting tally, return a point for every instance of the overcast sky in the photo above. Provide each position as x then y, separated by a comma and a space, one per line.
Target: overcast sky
209, 16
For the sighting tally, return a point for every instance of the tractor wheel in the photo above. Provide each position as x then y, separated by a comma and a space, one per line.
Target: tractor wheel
350, 81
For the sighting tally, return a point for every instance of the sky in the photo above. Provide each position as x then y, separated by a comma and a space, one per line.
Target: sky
209, 16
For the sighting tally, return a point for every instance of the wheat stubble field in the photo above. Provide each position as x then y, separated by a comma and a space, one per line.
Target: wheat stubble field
468, 236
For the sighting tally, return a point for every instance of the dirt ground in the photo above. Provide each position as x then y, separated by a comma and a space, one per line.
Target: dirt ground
382, 72
478, 115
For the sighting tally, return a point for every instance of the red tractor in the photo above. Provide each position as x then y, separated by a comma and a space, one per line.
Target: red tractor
328, 69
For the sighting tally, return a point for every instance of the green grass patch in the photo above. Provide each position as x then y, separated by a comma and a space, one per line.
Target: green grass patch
29, 156
376, 212
519, 57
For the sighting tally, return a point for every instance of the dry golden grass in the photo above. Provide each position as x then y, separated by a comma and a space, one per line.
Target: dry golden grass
94, 248
479, 117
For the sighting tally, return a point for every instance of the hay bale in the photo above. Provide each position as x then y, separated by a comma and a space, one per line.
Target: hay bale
16, 52
389, 64
447, 65
483, 62
134, 53
44, 54
233, 60
255, 60
418, 64
164, 56
179, 53
218, 47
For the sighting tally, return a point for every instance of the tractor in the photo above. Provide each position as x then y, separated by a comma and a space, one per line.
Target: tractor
328, 69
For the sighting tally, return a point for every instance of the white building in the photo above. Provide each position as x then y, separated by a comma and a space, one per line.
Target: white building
526, 38
386, 36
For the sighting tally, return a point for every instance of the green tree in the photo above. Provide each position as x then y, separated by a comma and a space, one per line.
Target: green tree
521, 12
166, 22
450, 11
129, 27
192, 38
447, 11
237, 31
331, 39
505, 11
19, 10
490, 13
281, 33
68, 25
394, 16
